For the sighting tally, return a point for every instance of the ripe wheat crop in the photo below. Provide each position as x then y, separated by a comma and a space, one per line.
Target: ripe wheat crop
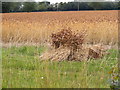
36, 27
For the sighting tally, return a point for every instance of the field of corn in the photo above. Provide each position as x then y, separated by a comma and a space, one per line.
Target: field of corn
26, 36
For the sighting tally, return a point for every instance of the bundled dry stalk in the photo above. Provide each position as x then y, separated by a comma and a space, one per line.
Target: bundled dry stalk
69, 46
66, 38
58, 54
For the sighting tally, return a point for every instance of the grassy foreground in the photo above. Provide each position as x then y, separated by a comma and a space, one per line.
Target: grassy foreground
22, 68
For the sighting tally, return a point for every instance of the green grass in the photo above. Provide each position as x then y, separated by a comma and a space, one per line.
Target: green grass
22, 68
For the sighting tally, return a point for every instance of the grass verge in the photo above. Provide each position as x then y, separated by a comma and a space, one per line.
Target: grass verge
22, 68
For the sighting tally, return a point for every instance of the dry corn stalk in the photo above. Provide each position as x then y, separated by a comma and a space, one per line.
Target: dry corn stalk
69, 46
59, 54
84, 54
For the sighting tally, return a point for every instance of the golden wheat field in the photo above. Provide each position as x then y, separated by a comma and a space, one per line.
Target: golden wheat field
36, 27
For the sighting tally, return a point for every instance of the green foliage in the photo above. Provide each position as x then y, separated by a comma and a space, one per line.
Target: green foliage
119, 5
22, 68
62, 6
11, 6
42, 7
6, 6
114, 80
96, 5
29, 6
25, 50
16, 6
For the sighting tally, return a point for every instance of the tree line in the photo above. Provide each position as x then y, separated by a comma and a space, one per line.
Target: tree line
62, 6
